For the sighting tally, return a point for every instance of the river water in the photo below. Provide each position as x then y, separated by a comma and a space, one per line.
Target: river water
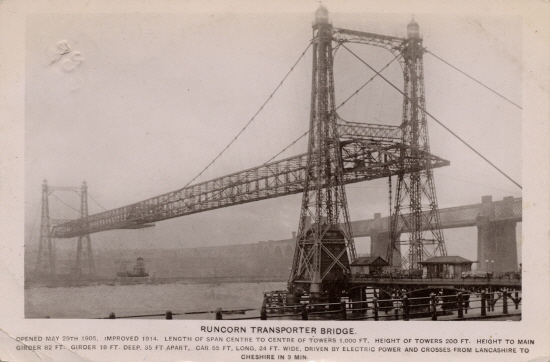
98, 301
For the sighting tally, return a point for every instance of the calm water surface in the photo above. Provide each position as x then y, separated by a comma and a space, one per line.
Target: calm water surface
125, 300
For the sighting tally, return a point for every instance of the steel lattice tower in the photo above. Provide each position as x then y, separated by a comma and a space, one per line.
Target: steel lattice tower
45, 264
415, 206
324, 244
84, 244
46, 261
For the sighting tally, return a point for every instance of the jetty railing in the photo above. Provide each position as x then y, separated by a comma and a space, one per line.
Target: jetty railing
458, 306
398, 308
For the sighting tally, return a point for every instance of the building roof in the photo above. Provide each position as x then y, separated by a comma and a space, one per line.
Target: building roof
447, 260
370, 260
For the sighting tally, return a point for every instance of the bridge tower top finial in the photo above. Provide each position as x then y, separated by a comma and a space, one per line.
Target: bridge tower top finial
413, 29
321, 15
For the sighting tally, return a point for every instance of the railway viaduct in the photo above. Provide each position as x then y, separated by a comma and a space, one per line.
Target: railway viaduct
496, 223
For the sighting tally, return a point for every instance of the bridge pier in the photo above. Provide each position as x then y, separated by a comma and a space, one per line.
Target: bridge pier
380, 242
496, 242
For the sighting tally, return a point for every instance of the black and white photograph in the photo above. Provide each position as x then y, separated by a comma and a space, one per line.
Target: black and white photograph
257, 181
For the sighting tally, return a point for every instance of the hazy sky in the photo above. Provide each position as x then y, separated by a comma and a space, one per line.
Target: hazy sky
140, 103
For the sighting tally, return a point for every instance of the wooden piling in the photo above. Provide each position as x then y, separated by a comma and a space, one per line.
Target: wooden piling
343, 310
460, 306
433, 305
483, 304
505, 302
305, 317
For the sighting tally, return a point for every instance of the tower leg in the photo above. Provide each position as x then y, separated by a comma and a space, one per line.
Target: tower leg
84, 254
416, 210
45, 263
324, 246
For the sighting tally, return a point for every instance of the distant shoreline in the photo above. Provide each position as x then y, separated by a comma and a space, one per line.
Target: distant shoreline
71, 281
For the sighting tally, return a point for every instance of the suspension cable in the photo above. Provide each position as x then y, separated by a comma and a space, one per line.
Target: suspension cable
33, 224
287, 147
364, 85
296, 140
63, 202
341, 104
253, 117
435, 119
475, 80
97, 203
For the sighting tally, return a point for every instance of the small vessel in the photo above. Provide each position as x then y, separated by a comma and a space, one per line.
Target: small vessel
128, 274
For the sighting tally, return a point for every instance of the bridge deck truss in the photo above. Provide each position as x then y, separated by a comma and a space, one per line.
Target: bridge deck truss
369, 152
